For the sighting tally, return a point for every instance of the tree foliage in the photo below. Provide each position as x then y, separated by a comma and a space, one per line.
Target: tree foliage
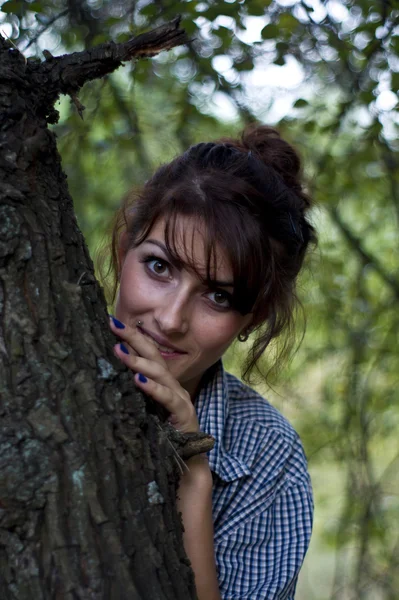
340, 390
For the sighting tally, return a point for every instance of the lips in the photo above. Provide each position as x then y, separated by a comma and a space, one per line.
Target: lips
161, 344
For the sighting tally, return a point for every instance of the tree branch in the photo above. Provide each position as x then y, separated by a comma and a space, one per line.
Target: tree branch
129, 113
68, 73
391, 167
367, 258
46, 26
190, 444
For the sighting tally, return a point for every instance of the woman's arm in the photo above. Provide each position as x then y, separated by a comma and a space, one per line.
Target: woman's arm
195, 503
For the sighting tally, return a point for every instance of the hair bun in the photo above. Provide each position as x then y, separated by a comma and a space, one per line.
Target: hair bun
275, 152
267, 145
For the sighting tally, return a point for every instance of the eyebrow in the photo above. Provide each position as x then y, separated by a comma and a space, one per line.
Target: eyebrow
179, 264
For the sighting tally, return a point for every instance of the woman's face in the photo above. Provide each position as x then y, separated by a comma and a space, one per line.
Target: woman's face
191, 323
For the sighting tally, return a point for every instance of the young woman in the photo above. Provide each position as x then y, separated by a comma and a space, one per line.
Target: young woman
208, 252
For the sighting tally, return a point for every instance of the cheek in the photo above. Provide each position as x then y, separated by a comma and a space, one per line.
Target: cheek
218, 332
135, 293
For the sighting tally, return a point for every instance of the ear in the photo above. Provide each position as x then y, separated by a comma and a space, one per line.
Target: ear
122, 249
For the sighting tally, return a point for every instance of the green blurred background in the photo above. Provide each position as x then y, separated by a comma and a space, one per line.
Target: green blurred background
326, 73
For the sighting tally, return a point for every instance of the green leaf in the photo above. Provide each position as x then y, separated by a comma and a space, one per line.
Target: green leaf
280, 61
287, 21
301, 103
112, 21
270, 32
100, 39
256, 9
366, 96
225, 34
35, 7
244, 65
13, 6
150, 10
395, 82
123, 37
212, 13
282, 47
190, 27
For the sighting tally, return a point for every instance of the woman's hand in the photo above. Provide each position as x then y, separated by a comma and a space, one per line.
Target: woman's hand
195, 490
153, 377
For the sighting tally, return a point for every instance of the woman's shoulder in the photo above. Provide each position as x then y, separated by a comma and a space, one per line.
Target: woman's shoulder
258, 430
249, 405
273, 465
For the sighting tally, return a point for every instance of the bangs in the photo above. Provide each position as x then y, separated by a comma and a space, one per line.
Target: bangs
223, 224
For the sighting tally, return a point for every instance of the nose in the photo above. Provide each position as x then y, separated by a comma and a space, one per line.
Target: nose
174, 314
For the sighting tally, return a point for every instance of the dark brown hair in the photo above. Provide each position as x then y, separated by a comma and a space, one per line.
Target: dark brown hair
250, 196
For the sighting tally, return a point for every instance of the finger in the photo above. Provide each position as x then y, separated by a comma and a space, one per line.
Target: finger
140, 343
157, 382
125, 348
150, 368
180, 407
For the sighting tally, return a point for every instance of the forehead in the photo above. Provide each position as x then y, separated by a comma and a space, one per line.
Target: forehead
188, 239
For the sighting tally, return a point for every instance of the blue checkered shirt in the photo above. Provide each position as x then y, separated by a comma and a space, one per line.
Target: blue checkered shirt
262, 495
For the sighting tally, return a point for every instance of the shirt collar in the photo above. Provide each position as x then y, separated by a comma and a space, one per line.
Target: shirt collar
212, 408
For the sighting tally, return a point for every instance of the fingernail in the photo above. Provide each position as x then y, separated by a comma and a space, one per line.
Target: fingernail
142, 378
123, 348
117, 323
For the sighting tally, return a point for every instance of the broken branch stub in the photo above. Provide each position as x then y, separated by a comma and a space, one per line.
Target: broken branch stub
66, 74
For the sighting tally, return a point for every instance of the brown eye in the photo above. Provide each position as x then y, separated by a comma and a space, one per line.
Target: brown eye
157, 266
221, 299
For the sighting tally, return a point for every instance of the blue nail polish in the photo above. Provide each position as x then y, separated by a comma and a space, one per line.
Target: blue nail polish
123, 348
117, 323
142, 378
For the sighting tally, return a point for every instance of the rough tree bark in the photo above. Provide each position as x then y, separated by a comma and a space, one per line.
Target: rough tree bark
87, 474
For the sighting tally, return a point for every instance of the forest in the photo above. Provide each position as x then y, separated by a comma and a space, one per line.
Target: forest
325, 73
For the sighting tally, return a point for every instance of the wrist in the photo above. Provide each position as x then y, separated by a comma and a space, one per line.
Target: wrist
197, 476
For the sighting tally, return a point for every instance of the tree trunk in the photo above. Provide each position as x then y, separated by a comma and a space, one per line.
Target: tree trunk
87, 475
